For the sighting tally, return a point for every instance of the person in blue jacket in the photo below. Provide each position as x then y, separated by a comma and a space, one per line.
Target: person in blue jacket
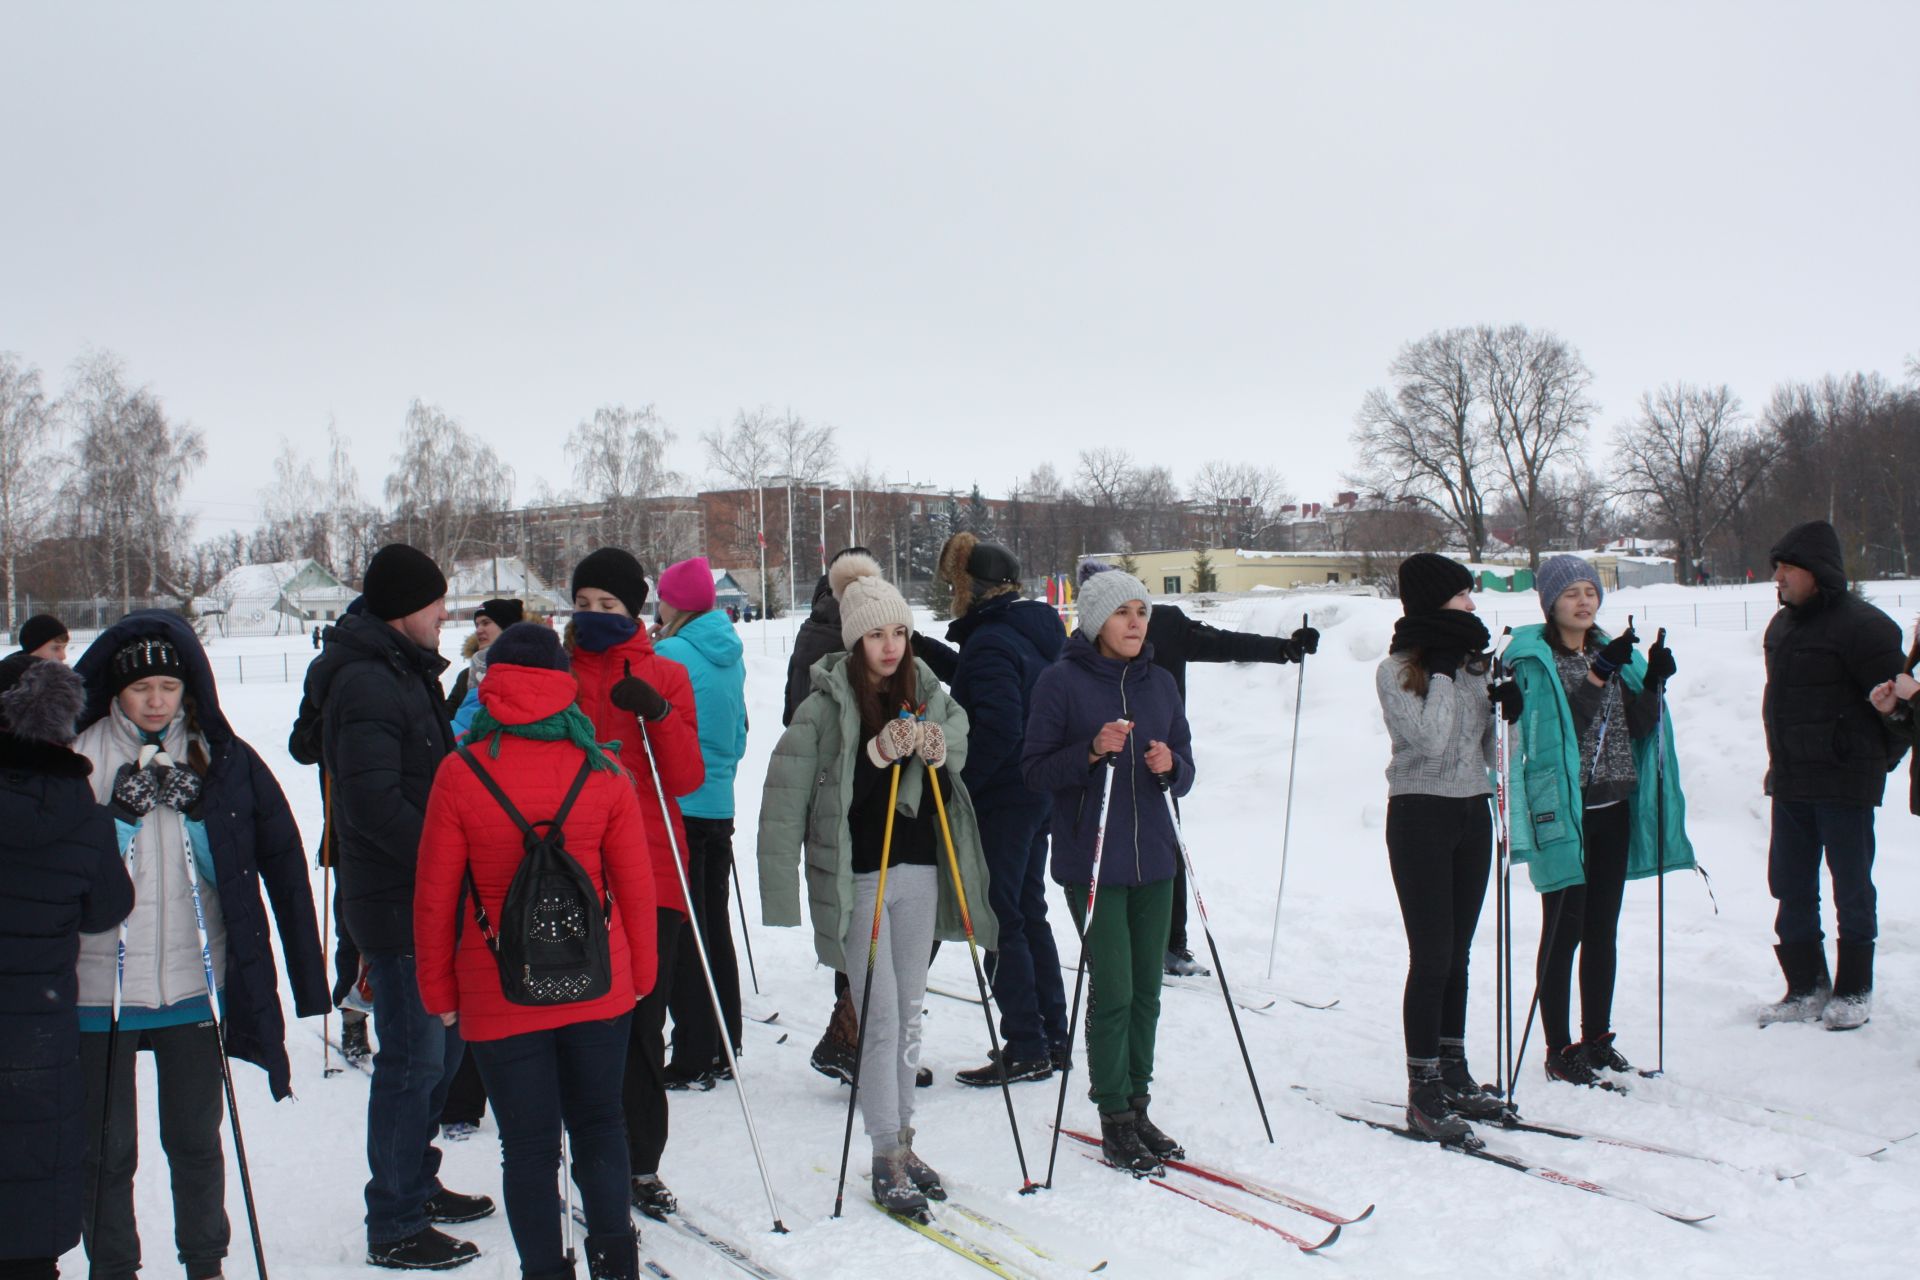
60, 874
1104, 705
203, 826
1005, 642
694, 634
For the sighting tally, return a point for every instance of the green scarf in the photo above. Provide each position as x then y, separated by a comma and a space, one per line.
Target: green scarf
570, 725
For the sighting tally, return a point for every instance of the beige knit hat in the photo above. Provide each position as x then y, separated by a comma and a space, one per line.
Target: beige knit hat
867, 600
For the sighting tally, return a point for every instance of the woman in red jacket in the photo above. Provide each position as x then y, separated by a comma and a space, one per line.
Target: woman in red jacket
627, 689
546, 1064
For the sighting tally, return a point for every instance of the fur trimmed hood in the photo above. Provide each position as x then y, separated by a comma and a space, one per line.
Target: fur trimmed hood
39, 700
977, 571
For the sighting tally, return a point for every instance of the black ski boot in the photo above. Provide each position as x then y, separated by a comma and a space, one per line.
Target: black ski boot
1150, 1135
1569, 1063
1179, 963
1602, 1056
1121, 1144
613, 1257
445, 1206
1808, 987
1428, 1114
651, 1197
1852, 988
353, 1039
833, 1056
1018, 1070
924, 1176
893, 1187
1464, 1095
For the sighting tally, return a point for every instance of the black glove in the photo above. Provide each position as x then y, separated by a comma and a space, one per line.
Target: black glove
179, 789
1307, 640
1617, 654
1660, 663
631, 693
1506, 699
135, 792
1444, 662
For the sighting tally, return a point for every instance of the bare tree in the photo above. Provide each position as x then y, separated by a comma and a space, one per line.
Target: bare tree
352, 523
292, 526
746, 453
1691, 460
1238, 499
1106, 479
619, 460
1535, 388
1421, 438
446, 485
29, 477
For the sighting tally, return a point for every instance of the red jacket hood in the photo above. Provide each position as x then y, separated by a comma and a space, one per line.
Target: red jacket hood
520, 695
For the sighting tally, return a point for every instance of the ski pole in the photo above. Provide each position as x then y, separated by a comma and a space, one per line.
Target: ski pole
746, 938
1286, 823
1539, 976
566, 1195
980, 979
220, 1041
113, 1047
1080, 969
1206, 927
1503, 884
1660, 876
326, 924
706, 969
866, 993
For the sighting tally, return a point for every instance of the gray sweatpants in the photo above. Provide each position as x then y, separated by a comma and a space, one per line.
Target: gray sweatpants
891, 1057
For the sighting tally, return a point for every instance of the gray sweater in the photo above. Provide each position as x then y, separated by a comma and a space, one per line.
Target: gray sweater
1443, 742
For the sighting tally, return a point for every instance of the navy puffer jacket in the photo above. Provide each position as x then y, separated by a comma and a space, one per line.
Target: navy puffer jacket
254, 842
1005, 643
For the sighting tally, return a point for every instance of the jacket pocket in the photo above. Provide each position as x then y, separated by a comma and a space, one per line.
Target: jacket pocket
1817, 742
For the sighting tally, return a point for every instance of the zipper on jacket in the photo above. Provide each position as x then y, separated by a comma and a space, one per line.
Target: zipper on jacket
1133, 774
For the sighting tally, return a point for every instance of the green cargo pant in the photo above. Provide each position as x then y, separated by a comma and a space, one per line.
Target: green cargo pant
1125, 951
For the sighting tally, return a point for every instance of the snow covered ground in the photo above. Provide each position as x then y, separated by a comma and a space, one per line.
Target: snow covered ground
1438, 1213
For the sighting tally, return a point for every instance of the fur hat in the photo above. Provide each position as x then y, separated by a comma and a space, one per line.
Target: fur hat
1560, 572
616, 572
1102, 594
688, 586
39, 629
142, 657
1428, 581
39, 700
867, 600
528, 644
401, 580
977, 571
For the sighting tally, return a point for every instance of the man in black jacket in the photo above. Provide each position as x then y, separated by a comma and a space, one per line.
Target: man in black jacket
1828, 759
817, 637
383, 735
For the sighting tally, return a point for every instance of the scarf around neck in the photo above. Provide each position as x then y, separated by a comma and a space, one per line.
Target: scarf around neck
1448, 630
569, 725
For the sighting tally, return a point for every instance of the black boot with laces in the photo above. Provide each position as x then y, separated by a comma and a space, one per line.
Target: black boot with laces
1120, 1143
1151, 1136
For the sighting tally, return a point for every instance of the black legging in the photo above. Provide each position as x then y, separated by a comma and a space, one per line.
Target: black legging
1585, 917
1440, 849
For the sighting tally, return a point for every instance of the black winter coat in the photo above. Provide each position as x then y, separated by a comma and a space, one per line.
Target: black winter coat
255, 843
1178, 640
383, 734
1005, 643
817, 637
1825, 742
60, 875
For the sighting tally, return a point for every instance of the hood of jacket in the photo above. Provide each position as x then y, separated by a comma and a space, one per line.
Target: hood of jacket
1815, 547
1035, 621
521, 695
825, 607
358, 638
714, 638
94, 665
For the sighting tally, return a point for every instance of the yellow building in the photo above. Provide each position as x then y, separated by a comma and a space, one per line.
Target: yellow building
1173, 573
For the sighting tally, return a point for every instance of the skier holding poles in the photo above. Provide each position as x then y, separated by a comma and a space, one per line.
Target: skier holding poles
1580, 819
1105, 699
844, 786
1440, 706
204, 825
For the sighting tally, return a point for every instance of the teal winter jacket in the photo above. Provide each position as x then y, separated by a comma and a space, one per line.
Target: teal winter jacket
1544, 802
709, 648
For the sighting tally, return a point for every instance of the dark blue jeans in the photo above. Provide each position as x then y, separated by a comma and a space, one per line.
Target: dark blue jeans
537, 1082
415, 1059
1026, 969
1801, 830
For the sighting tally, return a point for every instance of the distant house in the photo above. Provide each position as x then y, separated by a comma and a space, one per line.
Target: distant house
727, 594
474, 582
274, 599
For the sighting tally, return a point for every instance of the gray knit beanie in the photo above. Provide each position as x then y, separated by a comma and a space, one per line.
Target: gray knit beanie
1561, 572
1102, 594
867, 600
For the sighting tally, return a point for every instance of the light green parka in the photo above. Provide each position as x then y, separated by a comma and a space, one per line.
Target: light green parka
804, 805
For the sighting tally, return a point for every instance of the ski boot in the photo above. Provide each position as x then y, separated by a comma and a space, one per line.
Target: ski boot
1602, 1056
923, 1175
1465, 1096
988, 1076
1852, 988
651, 1197
680, 1080
1122, 1146
1569, 1063
1808, 986
353, 1038
1181, 964
1428, 1115
1163, 1147
833, 1056
894, 1189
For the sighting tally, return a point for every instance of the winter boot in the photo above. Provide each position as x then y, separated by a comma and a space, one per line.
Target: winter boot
1181, 964
1018, 1069
1602, 1056
923, 1174
1150, 1135
833, 1057
1808, 986
1852, 988
425, 1250
893, 1187
450, 1206
681, 1080
613, 1257
1428, 1114
353, 1038
651, 1197
1569, 1063
1120, 1143
1462, 1092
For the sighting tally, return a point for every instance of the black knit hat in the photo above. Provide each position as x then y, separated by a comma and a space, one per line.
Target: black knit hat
992, 564
401, 580
612, 570
503, 612
1428, 581
528, 644
39, 629
146, 656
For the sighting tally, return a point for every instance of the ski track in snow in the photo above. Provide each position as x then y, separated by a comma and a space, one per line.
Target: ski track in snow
1341, 936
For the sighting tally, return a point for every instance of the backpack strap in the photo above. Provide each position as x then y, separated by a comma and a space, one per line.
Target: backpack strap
486, 778
487, 931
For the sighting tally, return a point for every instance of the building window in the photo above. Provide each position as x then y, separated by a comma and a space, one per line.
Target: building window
1170, 586
1332, 576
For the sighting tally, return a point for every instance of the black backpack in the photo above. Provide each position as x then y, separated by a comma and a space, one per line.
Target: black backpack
551, 945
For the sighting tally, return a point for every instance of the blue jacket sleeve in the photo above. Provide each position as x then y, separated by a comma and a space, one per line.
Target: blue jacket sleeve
995, 716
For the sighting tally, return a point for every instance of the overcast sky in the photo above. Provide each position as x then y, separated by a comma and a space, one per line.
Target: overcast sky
973, 237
